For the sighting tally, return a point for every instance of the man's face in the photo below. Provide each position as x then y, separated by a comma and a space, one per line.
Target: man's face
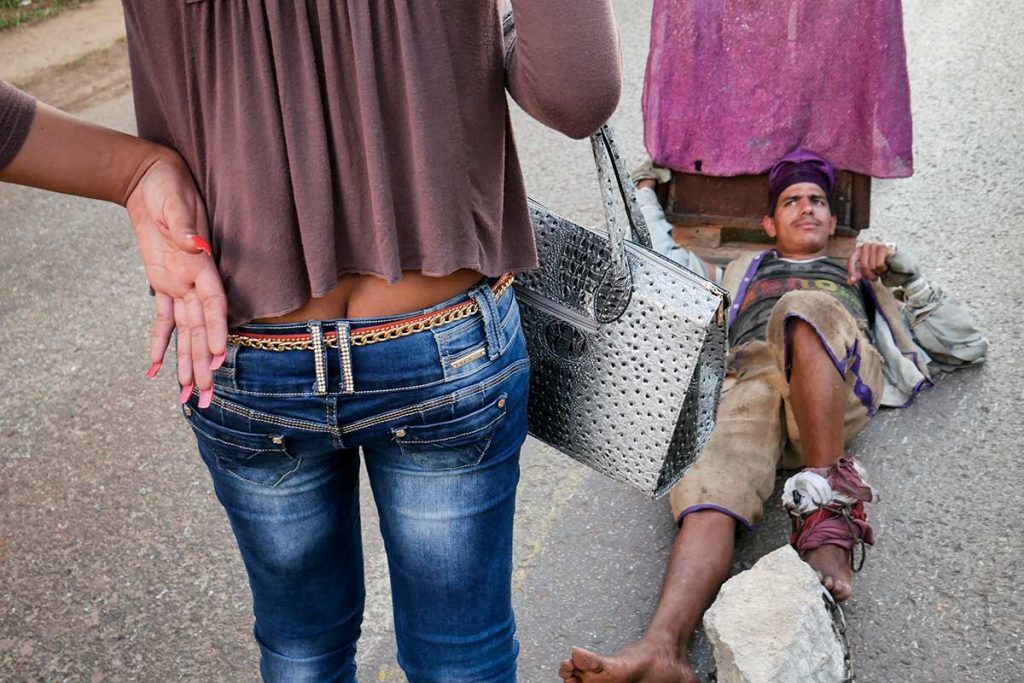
802, 223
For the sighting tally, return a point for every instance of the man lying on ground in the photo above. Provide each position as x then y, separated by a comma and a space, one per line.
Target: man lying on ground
816, 347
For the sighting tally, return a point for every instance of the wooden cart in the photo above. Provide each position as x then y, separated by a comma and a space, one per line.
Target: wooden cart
720, 218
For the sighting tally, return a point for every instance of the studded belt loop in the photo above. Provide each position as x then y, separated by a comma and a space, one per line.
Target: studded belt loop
492, 321
344, 338
316, 336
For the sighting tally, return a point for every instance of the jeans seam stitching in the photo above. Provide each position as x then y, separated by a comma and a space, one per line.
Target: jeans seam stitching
480, 459
271, 419
253, 452
329, 410
395, 389
297, 461
456, 436
296, 394
269, 394
436, 402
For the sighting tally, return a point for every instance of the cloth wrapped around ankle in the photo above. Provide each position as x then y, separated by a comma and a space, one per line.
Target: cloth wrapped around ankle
827, 506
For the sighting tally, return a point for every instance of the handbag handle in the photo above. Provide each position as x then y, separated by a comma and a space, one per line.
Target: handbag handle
613, 175
611, 170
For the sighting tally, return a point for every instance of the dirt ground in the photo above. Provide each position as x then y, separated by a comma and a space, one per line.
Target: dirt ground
98, 76
71, 61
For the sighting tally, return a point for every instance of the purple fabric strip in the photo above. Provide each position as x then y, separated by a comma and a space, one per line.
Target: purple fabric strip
863, 391
742, 290
923, 385
717, 508
852, 361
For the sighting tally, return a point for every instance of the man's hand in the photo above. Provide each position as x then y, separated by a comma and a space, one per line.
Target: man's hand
169, 219
868, 261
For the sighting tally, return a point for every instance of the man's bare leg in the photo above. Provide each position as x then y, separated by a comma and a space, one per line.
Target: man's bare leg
702, 552
818, 398
699, 563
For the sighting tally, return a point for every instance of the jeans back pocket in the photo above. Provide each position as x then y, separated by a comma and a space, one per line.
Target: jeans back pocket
453, 444
260, 459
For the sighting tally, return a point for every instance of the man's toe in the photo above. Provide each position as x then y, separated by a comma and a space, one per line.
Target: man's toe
585, 660
566, 669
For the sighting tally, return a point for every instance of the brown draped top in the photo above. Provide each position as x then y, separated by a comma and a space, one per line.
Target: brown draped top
365, 136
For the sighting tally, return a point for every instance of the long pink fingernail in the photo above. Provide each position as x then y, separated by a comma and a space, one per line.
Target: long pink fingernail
153, 369
201, 244
186, 394
218, 360
205, 397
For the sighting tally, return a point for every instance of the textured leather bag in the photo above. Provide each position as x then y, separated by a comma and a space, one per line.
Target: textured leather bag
627, 348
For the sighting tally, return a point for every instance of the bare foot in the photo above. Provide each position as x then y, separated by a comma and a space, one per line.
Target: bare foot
832, 563
637, 663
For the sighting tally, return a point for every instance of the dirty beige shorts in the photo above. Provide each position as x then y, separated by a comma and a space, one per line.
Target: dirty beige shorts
756, 432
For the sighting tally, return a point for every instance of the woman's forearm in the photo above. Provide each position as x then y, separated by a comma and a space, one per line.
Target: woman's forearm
65, 154
45, 148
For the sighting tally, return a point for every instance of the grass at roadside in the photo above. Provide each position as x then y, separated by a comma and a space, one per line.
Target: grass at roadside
15, 12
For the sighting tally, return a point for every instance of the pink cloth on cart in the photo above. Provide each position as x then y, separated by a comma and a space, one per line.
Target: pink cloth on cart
733, 85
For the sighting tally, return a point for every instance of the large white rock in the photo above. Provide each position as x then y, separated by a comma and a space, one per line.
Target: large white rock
770, 625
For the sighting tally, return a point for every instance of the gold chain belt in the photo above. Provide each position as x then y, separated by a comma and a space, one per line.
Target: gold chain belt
370, 335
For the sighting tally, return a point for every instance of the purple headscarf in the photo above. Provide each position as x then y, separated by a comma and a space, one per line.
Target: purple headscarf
799, 166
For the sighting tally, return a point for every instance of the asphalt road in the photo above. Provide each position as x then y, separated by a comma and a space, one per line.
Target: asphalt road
116, 562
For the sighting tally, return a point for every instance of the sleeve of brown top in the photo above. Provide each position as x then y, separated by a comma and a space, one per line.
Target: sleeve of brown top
564, 66
16, 112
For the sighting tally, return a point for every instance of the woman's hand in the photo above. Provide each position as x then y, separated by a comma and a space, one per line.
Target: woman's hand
169, 218
65, 154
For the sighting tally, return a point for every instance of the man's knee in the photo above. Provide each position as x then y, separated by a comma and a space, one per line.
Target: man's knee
822, 313
802, 336
811, 321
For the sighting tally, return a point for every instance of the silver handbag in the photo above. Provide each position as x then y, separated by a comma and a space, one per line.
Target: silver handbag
627, 348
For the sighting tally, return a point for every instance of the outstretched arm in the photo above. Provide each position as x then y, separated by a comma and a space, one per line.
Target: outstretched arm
64, 154
661, 234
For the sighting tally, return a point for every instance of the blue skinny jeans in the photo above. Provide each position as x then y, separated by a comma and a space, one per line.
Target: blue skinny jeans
440, 416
